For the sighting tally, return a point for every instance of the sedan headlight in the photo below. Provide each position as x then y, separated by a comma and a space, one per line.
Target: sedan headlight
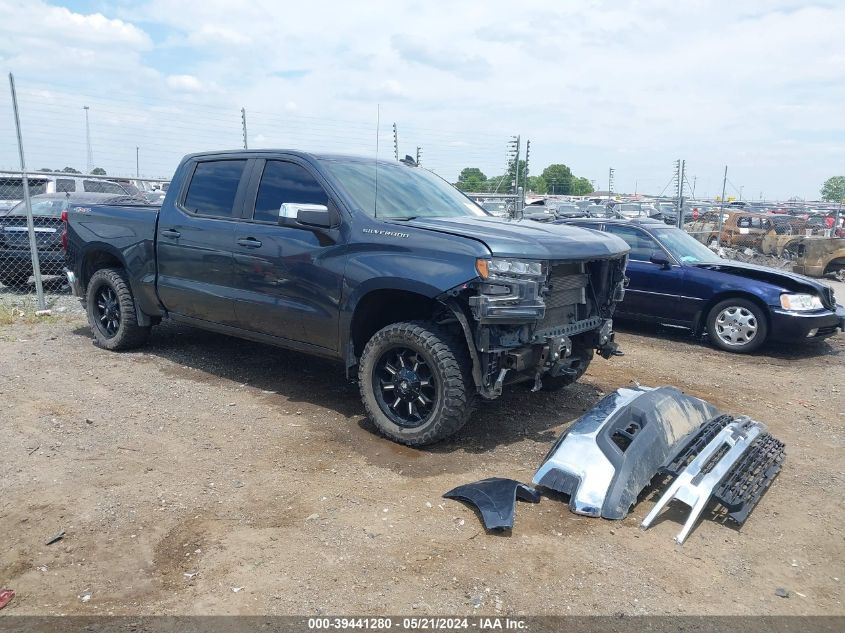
800, 302
508, 267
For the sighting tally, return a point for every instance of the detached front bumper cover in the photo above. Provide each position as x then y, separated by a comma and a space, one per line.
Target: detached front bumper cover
614, 450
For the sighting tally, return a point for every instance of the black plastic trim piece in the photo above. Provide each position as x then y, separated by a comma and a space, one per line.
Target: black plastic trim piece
496, 499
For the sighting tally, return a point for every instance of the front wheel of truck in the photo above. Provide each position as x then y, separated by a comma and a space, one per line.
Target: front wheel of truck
111, 311
415, 381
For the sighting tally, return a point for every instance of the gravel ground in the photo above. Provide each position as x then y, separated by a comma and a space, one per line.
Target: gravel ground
208, 475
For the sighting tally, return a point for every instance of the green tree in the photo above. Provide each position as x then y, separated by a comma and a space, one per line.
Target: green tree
499, 184
581, 187
71, 170
833, 189
98, 171
537, 184
471, 179
511, 175
558, 179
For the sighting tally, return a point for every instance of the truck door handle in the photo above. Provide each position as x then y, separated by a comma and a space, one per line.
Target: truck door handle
171, 233
249, 242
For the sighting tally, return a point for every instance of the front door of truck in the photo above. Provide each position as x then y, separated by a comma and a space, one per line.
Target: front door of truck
288, 275
195, 239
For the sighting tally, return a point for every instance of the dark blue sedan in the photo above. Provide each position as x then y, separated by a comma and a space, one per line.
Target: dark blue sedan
676, 280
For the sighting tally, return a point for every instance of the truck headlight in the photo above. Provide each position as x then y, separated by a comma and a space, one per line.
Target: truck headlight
800, 302
508, 267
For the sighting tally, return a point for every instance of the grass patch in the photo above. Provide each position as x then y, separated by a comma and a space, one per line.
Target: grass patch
25, 315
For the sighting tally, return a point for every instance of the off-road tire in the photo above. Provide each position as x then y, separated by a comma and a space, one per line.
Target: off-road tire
129, 334
449, 361
556, 383
750, 306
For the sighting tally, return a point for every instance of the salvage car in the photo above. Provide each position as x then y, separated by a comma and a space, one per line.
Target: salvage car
380, 265
818, 256
676, 280
15, 257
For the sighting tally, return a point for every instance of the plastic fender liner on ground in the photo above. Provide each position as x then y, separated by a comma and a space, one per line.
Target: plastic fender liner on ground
495, 498
614, 450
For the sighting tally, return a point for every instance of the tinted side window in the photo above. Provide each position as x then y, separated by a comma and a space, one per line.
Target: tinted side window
64, 185
101, 186
640, 243
213, 187
285, 182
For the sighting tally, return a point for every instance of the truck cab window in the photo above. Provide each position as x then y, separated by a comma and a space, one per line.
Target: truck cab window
213, 187
284, 182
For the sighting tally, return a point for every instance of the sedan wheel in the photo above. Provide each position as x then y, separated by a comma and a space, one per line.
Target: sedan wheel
737, 325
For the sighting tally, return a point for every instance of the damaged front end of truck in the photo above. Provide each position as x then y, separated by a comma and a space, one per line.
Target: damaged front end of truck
540, 321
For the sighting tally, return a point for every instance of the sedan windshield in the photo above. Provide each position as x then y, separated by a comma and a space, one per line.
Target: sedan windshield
40, 208
685, 248
399, 192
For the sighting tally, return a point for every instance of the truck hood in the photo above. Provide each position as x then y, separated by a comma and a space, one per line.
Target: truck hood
528, 239
782, 278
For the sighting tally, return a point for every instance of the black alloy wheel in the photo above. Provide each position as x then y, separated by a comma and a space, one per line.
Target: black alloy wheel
406, 388
107, 311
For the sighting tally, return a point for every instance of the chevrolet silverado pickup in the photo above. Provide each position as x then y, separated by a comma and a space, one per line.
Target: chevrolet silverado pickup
381, 265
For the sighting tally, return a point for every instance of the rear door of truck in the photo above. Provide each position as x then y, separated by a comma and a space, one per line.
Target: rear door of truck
195, 238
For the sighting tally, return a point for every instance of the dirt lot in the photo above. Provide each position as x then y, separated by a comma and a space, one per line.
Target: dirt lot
211, 475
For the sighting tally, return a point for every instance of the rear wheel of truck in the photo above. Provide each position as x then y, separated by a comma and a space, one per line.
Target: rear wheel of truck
111, 311
581, 359
415, 382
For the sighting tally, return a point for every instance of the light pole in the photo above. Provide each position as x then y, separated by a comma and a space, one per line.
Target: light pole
90, 152
137, 168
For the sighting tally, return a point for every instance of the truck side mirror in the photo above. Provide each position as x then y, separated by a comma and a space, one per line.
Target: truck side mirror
306, 214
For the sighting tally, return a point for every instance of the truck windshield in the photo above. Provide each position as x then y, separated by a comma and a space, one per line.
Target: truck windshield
684, 247
403, 192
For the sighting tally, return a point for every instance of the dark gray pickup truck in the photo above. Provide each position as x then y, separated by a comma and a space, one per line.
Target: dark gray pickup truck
381, 265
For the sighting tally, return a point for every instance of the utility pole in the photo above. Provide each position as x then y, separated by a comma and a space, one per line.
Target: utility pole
514, 154
610, 173
137, 163
838, 213
721, 207
243, 124
525, 175
680, 166
395, 143
89, 150
419, 154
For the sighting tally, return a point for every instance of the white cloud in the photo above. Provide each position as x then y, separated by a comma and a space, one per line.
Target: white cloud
756, 85
188, 83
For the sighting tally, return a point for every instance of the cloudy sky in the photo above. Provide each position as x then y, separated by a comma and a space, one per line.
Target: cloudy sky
758, 86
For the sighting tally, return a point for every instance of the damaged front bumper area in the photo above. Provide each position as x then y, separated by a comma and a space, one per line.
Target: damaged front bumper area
532, 319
